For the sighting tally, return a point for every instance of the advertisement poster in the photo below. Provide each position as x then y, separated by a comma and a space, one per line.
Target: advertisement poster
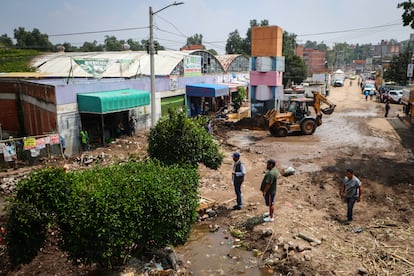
192, 66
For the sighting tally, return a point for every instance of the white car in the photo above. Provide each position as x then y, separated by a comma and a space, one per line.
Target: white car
338, 83
394, 96
370, 87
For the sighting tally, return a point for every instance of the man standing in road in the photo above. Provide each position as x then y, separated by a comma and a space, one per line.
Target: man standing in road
387, 108
351, 192
238, 173
268, 188
366, 94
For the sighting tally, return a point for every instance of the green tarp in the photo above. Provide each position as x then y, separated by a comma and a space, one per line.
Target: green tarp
112, 101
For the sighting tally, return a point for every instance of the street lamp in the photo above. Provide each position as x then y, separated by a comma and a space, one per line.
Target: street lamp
151, 53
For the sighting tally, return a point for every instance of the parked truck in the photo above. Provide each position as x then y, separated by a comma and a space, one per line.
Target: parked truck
322, 79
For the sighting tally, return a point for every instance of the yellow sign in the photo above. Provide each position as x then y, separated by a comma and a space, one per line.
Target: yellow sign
29, 143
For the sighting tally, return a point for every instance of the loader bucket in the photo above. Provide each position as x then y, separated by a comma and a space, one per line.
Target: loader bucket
257, 122
328, 110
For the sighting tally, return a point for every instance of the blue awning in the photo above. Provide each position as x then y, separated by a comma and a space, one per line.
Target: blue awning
206, 90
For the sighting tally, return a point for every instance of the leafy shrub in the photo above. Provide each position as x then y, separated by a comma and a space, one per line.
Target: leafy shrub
116, 208
37, 199
177, 139
103, 213
238, 98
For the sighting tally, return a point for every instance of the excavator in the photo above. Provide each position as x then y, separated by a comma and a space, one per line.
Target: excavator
298, 117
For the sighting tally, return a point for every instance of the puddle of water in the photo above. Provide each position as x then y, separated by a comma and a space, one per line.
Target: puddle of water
213, 253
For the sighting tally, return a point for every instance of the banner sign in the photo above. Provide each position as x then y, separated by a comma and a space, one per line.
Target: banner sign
54, 139
29, 143
93, 66
192, 66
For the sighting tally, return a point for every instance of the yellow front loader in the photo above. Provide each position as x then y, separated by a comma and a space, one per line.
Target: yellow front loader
303, 115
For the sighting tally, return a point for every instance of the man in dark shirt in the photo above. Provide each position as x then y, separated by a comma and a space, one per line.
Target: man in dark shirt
268, 188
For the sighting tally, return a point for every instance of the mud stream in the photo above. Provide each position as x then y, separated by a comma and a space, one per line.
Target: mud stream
217, 253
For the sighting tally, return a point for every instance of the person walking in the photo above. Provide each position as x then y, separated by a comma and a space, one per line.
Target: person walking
350, 192
238, 173
268, 188
387, 108
366, 94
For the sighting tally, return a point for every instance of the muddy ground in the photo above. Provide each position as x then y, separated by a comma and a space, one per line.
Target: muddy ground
378, 242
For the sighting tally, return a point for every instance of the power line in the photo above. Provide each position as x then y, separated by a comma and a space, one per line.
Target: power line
351, 30
96, 32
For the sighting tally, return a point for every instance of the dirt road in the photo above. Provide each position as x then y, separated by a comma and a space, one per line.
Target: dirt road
357, 136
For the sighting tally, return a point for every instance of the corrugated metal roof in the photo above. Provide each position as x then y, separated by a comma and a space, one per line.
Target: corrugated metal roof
121, 64
226, 60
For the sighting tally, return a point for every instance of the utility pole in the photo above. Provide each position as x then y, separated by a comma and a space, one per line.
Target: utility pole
151, 53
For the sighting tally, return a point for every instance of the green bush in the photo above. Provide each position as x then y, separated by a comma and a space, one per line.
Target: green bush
37, 199
116, 208
238, 98
15, 60
177, 139
104, 213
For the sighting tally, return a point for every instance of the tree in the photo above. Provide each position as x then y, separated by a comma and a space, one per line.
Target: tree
112, 44
234, 43
180, 140
5, 41
196, 39
135, 45
247, 43
311, 44
157, 46
70, 48
315, 45
295, 70
92, 47
408, 15
32, 40
288, 44
397, 71
238, 98
237, 45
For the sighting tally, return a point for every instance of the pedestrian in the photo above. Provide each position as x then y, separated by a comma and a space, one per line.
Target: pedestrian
131, 126
238, 173
84, 137
350, 192
371, 94
387, 108
366, 95
268, 188
62, 144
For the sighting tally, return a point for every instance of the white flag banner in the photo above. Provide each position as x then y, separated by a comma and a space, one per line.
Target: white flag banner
94, 66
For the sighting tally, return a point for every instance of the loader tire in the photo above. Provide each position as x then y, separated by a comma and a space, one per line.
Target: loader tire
278, 131
308, 127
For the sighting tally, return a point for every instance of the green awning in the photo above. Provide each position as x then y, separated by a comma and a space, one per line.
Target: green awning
112, 101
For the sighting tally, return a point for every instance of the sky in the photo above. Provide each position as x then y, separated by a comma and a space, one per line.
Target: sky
328, 21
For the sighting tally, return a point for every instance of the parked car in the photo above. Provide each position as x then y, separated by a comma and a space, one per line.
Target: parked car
338, 83
393, 96
368, 86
